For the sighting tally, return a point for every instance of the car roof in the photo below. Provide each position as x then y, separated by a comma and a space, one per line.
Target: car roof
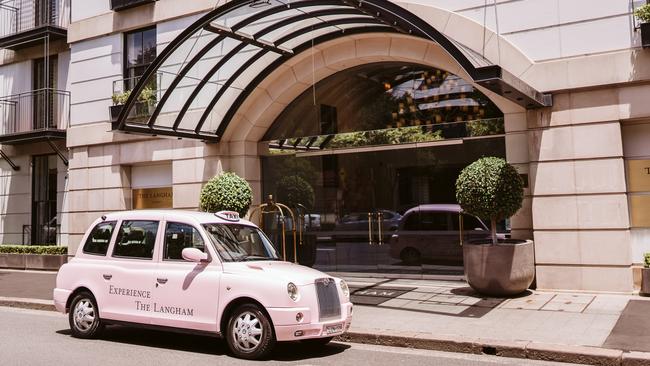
436, 207
196, 216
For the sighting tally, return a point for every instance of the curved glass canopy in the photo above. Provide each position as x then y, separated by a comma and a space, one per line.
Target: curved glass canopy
201, 78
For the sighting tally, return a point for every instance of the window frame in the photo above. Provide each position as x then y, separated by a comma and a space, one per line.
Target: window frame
163, 245
125, 54
110, 240
156, 245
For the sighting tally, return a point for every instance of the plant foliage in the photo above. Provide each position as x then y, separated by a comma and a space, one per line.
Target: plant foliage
643, 13
294, 190
490, 187
227, 191
147, 95
647, 260
33, 249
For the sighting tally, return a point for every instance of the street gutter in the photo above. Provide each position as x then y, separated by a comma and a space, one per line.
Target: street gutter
511, 349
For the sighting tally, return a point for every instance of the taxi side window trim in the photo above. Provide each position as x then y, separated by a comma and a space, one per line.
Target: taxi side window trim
164, 241
108, 244
155, 240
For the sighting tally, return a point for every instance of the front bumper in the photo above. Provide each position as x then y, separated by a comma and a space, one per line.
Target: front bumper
60, 297
288, 329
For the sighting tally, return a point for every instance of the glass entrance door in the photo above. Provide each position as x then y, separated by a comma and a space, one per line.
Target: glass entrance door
44, 220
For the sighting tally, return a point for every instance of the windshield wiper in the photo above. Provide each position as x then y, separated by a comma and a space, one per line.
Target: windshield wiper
247, 258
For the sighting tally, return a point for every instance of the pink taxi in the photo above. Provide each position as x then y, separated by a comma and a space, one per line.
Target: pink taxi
212, 274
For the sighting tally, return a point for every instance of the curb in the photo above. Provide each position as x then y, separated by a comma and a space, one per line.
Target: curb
512, 349
34, 304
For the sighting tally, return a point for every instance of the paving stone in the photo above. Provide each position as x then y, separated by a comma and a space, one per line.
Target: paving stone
531, 302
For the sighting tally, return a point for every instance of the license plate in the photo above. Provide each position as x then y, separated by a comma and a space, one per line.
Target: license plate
333, 329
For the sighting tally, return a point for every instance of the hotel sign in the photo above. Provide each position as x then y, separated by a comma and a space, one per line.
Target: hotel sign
152, 198
638, 181
638, 175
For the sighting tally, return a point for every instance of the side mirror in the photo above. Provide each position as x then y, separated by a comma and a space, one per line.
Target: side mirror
194, 255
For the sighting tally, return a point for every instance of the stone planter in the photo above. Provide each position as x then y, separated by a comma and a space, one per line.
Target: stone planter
45, 261
645, 282
500, 270
645, 35
12, 261
33, 261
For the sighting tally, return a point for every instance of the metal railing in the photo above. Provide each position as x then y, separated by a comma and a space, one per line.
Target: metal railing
18, 16
147, 100
35, 110
125, 4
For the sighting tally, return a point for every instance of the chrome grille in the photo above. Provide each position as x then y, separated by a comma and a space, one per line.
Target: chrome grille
329, 305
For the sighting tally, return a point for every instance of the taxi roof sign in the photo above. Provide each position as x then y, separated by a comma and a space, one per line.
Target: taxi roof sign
228, 215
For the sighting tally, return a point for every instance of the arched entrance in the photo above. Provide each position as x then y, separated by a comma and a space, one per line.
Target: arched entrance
229, 76
372, 154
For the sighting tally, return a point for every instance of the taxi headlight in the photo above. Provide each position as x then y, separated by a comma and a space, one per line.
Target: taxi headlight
345, 289
292, 290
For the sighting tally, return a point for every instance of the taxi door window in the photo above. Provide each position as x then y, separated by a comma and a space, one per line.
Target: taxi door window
178, 237
136, 239
99, 238
434, 221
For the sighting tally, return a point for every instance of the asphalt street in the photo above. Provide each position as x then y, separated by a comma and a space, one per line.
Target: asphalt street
31, 337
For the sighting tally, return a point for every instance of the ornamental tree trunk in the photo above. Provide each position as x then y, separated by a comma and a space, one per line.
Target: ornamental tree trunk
493, 230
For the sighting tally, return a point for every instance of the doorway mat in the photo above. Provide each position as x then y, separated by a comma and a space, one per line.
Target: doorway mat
632, 331
376, 295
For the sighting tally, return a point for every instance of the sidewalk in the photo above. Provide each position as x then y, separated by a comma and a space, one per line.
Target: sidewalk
599, 329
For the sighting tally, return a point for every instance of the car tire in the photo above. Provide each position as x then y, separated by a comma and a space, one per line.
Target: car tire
317, 342
84, 316
411, 256
249, 333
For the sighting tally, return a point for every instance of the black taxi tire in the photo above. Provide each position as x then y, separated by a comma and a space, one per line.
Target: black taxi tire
249, 333
83, 316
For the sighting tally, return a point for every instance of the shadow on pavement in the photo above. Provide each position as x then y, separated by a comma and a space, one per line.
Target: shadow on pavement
284, 351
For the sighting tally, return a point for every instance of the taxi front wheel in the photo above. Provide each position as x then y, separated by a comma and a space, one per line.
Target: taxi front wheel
249, 334
84, 316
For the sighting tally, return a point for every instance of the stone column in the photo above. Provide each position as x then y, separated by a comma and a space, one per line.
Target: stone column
579, 201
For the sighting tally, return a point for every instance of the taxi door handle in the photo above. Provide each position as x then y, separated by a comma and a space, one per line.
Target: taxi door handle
162, 281
107, 276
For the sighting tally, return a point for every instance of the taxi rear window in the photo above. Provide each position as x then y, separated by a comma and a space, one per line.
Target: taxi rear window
99, 238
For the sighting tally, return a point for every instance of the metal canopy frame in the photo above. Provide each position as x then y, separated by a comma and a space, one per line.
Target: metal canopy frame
354, 17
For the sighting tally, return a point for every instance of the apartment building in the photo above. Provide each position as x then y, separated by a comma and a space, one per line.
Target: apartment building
372, 107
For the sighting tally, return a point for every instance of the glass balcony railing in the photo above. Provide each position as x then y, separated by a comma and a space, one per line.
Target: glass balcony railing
26, 22
42, 113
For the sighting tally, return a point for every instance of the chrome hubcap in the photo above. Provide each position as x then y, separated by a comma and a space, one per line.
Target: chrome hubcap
247, 331
84, 315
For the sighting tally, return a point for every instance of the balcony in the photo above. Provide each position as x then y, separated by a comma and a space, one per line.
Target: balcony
144, 106
117, 5
38, 115
27, 23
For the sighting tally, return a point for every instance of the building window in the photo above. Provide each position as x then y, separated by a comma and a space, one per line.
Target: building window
139, 53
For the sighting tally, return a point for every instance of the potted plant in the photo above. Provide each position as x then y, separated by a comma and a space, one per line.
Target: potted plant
643, 14
645, 276
492, 188
227, 191
41, 257
144, 106
118, 102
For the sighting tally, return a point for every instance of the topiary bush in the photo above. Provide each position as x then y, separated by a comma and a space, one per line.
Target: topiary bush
227, 191
33, 249
294, 190
647, 260
490, 187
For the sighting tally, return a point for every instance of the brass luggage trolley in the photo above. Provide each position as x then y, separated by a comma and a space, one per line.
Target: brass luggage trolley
282, 210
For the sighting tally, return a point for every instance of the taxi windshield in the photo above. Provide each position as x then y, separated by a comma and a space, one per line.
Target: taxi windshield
238, 243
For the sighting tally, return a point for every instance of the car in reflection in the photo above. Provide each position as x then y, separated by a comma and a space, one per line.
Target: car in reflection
431, 233
359, 221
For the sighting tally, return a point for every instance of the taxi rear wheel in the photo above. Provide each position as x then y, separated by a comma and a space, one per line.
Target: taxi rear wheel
84, 316
249, 333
